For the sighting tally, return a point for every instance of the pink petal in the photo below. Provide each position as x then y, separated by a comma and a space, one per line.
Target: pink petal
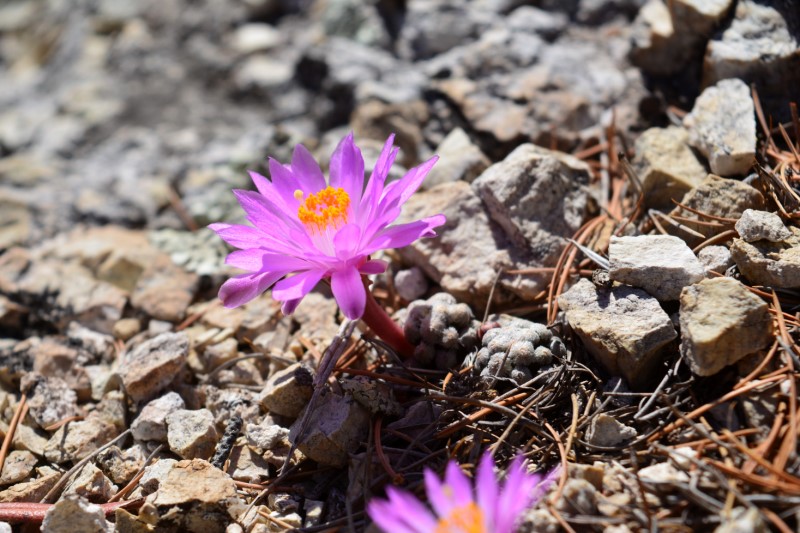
440, 502
515, 496
238, 235
347, 169
486, 487
404, 234
414, 513
258, 260
373, 266
458, 483
346, 241
349, 291
377, 179
306, 170
297, 286
241, 289
284, 182
401, 190
387, 518
288, 307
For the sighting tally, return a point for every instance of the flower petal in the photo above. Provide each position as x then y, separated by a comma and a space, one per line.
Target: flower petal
377, 180
414, 513
306, 170
237, 235
373, 266
515, 496
297, 286
288, 307
284, 183
401, 190
347, 169
259, 260
241, 289
404, 234
459, 483
387, 518
440, 502
349, 291
486, 488
346, 241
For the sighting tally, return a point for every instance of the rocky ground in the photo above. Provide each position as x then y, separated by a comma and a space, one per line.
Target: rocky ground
615, 289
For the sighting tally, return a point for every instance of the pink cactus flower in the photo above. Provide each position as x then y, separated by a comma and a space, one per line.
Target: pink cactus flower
305, 229
456, 508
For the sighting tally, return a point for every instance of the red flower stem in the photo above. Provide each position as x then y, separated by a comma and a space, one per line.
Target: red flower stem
384, 327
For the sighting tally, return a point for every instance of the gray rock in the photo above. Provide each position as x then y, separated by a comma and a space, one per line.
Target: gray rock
263, 72
514, 349
716, 258
154, 473
192, 434
579, 496
410, 283
769, 263
667, 36
255, 37
50, 399
537, 196
624, 328
660, 264
722, 125
18, 466
151, 424
666, 165
196, 497
441, 328
64, 363
759, 46
761, 225
335, 428
719, 197
721, 322
374, 395
91, 484
265, 435
76, 514
459, 159
151, 366
607, 431
288, 391
663, 474
76, 440
121, 465
16, 223
355, 19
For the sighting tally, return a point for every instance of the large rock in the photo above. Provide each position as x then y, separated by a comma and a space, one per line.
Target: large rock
459, 159
761, 225
194, 496
660, 264
722, 125
335, 429
288, 391
760, 46
721, 322
669, 35
191, 434
718, 197
152, 365
624, 328
76, 440
75, 513
164, 290
151, 424
774, 264
666, 165
517, 215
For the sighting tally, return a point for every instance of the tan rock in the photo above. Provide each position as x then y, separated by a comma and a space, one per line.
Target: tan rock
152, 365
721, 322
18, 466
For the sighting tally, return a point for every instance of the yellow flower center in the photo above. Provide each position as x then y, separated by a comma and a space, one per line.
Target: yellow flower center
327, 208
467, 519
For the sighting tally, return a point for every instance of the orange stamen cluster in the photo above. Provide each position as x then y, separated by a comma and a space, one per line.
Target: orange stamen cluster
467, 519
327, 208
